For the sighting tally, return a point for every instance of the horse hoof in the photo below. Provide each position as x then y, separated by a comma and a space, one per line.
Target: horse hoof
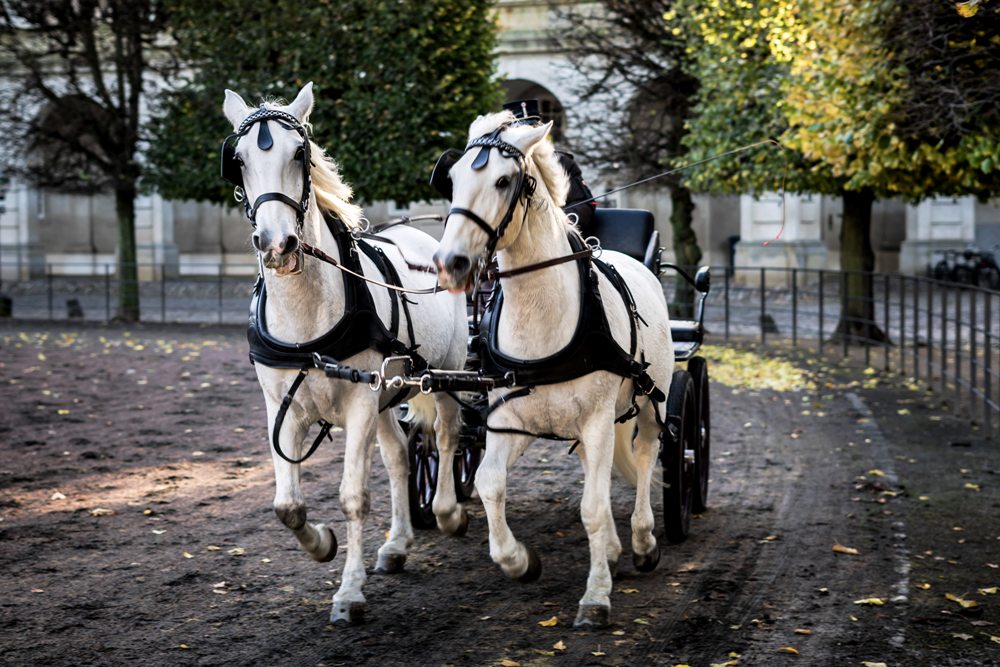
345, 614
534, 570
647, 562
390, 563
463, 525
327, 550
592, 616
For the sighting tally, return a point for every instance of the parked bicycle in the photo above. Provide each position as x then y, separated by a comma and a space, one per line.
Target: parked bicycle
968, 267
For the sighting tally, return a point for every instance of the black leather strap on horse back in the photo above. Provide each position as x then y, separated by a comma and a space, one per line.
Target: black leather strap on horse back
279, 419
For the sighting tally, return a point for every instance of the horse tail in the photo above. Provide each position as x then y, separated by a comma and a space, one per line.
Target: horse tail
421, 412
624, 458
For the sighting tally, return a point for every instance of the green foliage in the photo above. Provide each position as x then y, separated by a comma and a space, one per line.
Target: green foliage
396, 83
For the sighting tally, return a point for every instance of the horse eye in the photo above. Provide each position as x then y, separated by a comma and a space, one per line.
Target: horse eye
300, 153
503, 182
238, 160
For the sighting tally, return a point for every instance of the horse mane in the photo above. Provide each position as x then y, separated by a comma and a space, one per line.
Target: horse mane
543, 156
333, 195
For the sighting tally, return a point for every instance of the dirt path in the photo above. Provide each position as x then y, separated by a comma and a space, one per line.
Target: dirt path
136, 528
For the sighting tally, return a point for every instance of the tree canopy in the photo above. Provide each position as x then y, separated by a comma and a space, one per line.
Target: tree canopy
396, 83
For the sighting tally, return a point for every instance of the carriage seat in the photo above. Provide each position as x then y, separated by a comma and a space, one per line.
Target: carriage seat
631, 231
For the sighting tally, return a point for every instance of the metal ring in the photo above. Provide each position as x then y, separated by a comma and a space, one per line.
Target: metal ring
425, 383
375, 384
595, 245
573, 217
239, 194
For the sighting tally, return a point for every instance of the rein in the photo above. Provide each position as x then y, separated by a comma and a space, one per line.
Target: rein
313, 251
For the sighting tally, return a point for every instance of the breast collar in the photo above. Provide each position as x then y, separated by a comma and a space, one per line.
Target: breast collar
592, 348
359, 329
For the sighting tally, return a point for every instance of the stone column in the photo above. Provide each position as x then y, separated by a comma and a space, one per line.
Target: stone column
764, 243
934, 225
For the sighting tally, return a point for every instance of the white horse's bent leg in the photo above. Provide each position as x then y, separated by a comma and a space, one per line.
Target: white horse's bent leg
452, 519
355, 502
595, 511
392, 446
515, 559
645, 550
317, 539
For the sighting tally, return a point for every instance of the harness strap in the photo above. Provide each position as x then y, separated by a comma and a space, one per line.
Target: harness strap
472, 215
509, 273
286, 402
313, 251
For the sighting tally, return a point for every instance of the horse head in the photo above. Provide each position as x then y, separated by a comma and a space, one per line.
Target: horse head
490, 183
268, 158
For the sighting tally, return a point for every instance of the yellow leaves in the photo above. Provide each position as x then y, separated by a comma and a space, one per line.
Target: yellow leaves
212, 547
62, 411
187, 554
841, 549
875, 472
237, 551
968, 9
870, 602
102, 511
749, 370
924, 586
788, 649
961, 602
802, 631
868, 663
549, 623
640, 621
559, 645
992, 590
628, 591
509, 663
971, 487
994, 639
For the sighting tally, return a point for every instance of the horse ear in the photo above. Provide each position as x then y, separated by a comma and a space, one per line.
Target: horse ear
526, 140
302, 105
235, 108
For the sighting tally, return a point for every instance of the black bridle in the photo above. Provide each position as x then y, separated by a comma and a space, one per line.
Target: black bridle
524, 186
232, 165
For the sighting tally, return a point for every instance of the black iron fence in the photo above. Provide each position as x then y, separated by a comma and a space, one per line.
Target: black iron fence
944, 335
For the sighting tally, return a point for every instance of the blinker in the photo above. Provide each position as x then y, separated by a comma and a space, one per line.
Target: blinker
482, 158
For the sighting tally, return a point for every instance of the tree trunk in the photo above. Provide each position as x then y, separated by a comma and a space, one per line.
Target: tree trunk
128, 273
857, 261
686, 251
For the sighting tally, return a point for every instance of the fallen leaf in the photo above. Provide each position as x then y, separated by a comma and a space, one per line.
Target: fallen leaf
961, 635
237, 551
552, 622
509, 663
62, 411
866, 663
640, 621
37, 590
598, 653
971, 487
183, 646
841, 549
101, 511
771, 538
618, 633
158, 531
993, 566
875, 472
788, 649
924, 586
871, 602
992, 590
727, 663
57, 496
802, 631
964, 604
212, 547
547, 654
265, 560
994, 639
559, 645
628, 591
902, 411
187, 555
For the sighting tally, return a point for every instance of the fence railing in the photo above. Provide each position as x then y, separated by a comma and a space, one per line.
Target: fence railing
942, 334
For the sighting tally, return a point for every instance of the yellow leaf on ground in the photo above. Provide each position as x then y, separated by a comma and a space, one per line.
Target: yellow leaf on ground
971, 487
640, 621
871, 602
867, 663
101, 511
598, 653
628, 591
802, 631
559, 645
187, 555
841, 549
509, 663
992, 590
788, 649
727, 663
183, 646
924, 586
552, 622
212, 547
964, 604
237, 551
994, 639
876, 472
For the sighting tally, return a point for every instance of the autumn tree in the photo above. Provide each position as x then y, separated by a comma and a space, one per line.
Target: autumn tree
637, 71
396, 83
880, 99
75, 74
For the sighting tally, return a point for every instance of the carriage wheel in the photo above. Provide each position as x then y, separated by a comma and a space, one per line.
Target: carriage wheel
466, 463
698, 369
422, 483
677, 457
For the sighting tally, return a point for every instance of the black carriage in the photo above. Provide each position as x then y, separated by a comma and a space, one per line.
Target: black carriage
685, 441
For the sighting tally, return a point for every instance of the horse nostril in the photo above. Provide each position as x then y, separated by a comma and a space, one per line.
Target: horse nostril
291, 243
459, 264
255, 239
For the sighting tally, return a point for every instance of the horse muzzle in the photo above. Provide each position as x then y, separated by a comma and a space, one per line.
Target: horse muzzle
454, 272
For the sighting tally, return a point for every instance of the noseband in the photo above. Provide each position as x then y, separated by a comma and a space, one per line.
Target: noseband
524, 185
232, 171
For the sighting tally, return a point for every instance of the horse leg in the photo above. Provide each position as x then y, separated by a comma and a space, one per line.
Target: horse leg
355, 501
645, 550
595, 511
515, 559
317, 539
392, 446
614, 545
452, 519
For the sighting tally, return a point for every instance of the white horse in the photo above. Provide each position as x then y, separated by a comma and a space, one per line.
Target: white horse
274, 160
540, 315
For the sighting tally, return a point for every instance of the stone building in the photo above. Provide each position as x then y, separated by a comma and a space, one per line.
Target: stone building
76, 235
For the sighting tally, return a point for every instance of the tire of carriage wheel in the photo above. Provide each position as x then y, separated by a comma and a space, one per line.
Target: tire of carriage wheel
422, 481
677, 458
466, 464
698, 369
